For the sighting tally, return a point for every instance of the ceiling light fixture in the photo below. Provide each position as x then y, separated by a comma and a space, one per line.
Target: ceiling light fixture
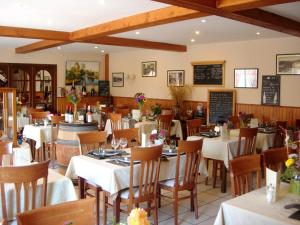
192, 40
137, 32
96, 47
203, 21
59, 48
102, 51
197, 32
257, 33
101, 2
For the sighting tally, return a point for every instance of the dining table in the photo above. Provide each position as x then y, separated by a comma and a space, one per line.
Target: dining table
113, 176
59, 189
253, 208
220, 148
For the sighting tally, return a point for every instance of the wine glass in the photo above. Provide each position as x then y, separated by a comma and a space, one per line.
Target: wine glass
115, 143
172, 144
123, 143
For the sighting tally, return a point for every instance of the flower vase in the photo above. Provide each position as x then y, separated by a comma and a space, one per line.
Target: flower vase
141, 112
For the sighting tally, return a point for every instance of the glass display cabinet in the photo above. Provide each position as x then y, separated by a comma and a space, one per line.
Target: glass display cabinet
8, 115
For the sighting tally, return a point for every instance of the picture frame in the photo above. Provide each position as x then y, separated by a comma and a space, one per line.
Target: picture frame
149, 69
79, 71
288, 64
118, 79
246, 78
175, 78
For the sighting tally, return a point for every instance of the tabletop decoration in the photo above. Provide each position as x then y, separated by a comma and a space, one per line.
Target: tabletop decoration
292, 173
179, 94
244, 119
74, 98
155, 109
140, 99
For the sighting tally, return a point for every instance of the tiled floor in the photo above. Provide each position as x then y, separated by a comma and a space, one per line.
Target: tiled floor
209, 201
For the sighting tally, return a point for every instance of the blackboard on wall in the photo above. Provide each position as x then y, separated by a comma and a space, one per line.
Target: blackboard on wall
221, 105
208, 73
103, 87
270, 90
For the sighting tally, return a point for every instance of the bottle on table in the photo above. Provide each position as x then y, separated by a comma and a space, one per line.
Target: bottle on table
89, 118
83, 89
71, 116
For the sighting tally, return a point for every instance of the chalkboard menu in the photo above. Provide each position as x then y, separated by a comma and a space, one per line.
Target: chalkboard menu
270, 91
103, 87
221, 105
210, 73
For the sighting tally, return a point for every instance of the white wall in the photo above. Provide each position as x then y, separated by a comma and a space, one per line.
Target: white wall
51, 57
245, 54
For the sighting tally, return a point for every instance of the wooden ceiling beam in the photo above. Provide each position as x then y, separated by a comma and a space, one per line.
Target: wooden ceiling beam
139, 21
256, 17
116, 41
19, 32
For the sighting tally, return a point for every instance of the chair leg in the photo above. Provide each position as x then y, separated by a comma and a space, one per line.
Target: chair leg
117, 203
207, 162
155, 212
159, 196
175, 207
149, 208
192, 201
105, 202
195, 203
214, 172
97, 195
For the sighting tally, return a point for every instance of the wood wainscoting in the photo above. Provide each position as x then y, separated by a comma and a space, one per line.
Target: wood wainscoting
264, 113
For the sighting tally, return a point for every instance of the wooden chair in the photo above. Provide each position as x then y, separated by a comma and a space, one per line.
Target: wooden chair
165, 122
193, 126
187, 182
26, 176
116, 121
79, 212
90, 141
249, 137
55, 120
32, 110
279, 139
123, 111
297, 124
146, 191
131, 134
235, 120
104, 116
275, 158
6, 148
241, 171
166, 112
39, 116
282, 124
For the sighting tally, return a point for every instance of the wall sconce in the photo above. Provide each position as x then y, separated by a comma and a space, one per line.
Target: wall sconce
130, 77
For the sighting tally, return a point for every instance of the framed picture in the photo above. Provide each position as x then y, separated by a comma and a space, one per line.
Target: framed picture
149, 69
118, 79
288, 64
175, 78
246, 78
79, 71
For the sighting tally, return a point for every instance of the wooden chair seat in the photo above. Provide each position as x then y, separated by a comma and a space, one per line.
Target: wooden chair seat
79, 212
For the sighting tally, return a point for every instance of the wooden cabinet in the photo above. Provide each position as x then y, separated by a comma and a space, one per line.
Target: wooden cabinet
35, 83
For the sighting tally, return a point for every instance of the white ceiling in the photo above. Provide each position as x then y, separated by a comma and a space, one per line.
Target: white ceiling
70, 15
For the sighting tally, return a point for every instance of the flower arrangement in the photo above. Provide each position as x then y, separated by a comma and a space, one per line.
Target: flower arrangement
292, 168
140, 99
179, 93
244, 119
138, 217
74, 98
156, 109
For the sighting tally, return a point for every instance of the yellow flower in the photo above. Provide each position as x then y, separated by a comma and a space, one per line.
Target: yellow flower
138, 217
289, 162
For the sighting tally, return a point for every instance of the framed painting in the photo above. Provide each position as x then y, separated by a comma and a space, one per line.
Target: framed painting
288, 64
79, 71
175, 78
118, 79
246, 78
149, 69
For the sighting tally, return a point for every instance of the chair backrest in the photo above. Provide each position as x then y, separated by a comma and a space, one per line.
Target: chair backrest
297, 124
26, 176
241, 171
279, 139
166, 112
90, 140
38, 116
131, 134
123, 111
235, 120
80, 212
282, 124
275, 158
148, 172
165, 122
192, 150
116, 121
248, 135
6, 148
193, 126
32, 110
55, 120
104, 115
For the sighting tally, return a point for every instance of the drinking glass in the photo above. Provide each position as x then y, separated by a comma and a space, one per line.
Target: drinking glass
123, 143
172, 144
115, 143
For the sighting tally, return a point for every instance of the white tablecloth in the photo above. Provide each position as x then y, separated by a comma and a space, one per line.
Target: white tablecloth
219, 148
113, 178
40, 134
252, 208
22, 121
21, 156
264, 141
59, 189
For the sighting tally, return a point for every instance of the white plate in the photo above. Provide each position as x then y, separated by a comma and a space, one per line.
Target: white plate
127, 160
